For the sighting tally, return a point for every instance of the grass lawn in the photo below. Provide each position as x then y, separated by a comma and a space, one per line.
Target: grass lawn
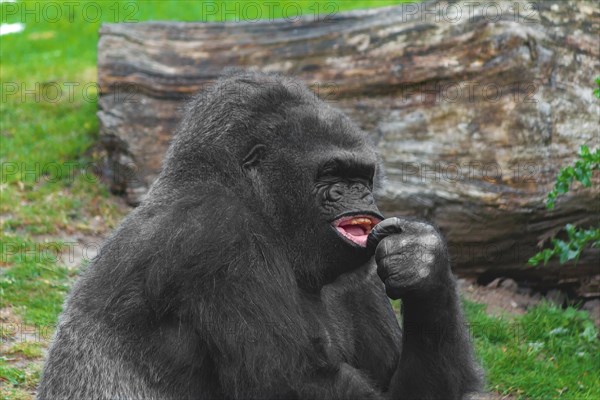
48, 196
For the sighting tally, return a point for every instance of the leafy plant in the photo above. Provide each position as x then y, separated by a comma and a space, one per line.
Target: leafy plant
569, 250
581, 172
578, 239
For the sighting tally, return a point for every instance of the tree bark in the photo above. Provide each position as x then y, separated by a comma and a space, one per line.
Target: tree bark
474, 114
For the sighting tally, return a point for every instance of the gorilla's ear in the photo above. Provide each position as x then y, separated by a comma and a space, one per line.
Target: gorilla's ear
254, 156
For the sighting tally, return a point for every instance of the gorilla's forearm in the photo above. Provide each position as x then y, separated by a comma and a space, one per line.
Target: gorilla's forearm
436, 360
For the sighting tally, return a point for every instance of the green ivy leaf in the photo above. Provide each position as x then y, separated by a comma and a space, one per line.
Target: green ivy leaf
586, 179
578, 239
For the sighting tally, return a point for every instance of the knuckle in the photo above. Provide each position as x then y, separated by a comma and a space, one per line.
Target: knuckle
431, 240
426, 258
420, 226
426, 227
422, 271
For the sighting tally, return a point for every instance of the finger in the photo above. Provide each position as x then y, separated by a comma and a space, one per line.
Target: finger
392, 245
396, 225
390, 265
383, 229
411, 276
403, 281
401, 266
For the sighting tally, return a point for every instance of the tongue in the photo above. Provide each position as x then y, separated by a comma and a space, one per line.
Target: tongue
354, 230
354, 233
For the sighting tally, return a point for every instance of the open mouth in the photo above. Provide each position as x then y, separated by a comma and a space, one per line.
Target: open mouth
356, 228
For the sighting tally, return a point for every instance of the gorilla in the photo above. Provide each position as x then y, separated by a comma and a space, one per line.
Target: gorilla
259, 267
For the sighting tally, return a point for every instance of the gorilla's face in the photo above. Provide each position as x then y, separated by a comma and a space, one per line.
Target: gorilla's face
322, 194
343, 190
313, 172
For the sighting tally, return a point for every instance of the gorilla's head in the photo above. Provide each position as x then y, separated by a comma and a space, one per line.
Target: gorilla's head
297, 164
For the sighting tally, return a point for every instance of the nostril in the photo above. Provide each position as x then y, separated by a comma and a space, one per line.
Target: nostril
335, 194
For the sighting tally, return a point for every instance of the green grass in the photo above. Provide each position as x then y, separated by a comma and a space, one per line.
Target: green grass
30, 350
36, 198
18, 383
547, 353
35, 284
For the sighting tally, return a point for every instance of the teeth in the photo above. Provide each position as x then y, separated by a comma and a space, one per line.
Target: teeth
365, 223
360, 221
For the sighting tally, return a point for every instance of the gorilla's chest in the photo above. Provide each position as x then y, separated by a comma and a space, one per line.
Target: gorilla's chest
331, 315
350, 321
330, 332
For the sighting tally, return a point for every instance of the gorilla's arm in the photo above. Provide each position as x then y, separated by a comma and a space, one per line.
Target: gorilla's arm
241, 296
436, 360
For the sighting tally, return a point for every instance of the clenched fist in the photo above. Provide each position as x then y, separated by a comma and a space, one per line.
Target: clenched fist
411, 257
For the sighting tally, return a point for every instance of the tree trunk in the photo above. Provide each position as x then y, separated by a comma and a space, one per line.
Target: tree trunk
473, 114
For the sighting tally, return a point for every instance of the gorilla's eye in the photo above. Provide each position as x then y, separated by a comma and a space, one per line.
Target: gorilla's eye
330, 169
349, 170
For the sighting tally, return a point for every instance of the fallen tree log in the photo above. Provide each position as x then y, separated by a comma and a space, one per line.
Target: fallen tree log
473, 114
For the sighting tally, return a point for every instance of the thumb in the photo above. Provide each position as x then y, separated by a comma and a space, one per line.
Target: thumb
385, 228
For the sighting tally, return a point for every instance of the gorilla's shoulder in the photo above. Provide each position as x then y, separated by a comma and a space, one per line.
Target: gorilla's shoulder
163, 243
213, 217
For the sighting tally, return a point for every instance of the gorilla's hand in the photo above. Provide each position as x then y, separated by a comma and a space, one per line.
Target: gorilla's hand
412, 261
411, 258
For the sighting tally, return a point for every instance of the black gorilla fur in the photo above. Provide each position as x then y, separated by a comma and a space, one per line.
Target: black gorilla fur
230, 281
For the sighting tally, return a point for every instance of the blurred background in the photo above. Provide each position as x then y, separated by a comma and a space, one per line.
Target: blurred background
486, 115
